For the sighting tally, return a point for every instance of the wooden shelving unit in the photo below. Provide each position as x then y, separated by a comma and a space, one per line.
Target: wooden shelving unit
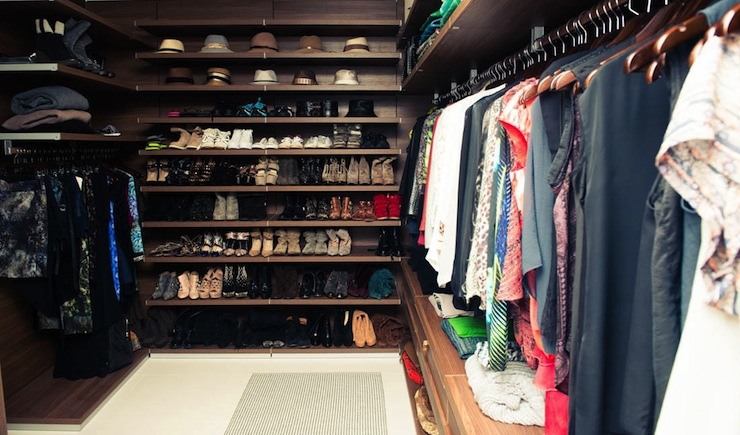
284, 350
347, 89
80, 137
293, 120
54, 71
363, 257
341, 188
418, 14
289, 58
276, 153
272, 222
349, 301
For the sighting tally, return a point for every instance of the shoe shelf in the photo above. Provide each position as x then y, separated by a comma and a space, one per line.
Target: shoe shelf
269, 88
207, 120
368, 257
284, 152
105, 32
418, 13
284, 350
81, 137
55, 70
392, 300
343, 188
359, 59
272, 222
279, 27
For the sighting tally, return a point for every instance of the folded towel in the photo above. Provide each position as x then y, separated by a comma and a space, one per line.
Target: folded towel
48, 97
465, 346
444, 307
469, 327
41, 117
508, 396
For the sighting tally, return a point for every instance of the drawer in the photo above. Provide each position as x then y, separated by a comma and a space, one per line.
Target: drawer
439, 402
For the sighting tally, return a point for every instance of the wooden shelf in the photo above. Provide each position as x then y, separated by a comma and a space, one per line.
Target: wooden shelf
238, 302
343, 188
294, 152
271, 222
292, 58
104, 32
365, 257
47, 137
286, 350
488, 32
418, 14
280, 27
51, 71
270, 88
207, 120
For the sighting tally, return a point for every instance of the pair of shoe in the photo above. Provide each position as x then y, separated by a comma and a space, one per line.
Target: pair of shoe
364, 212
267, 171
242, 281
157, 171
334, 171
213, 138
389, 244
358, 171
297, 332
363, 332
341, 208
284, 111
295, 142
213, 245
316, 243
209, 287
236, 244
266, 144
167, 286
257, 108
241, 139
381, 171
375, 140
315, 209
347, 135
226, 208
337, 285
156, 142
340, 242
387, 206
288, 242
320, 142
312, 284
341, 334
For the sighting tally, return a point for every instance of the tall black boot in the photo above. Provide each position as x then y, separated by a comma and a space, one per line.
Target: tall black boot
384, 246
289, 210
395, 244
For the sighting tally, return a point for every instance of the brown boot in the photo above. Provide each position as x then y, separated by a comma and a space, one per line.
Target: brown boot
336, 208
369, 214
256, 244
182, 142
294, 243
376, 171
267, 245
333, 248
364, 177
281, 248
353, 172
346, 209
388, 177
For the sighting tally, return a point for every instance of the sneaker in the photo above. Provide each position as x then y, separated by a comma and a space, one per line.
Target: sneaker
312, 142
236, 136
110, 130
246, 141
272, 144
324, 142
209, 138
297, 142
261, 144
287, 142
223, 138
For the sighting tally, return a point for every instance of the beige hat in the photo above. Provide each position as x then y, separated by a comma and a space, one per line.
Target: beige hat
265, 77
218, 77
216, 44
310, 44
356, 45
264, 42
171, 46
346, 77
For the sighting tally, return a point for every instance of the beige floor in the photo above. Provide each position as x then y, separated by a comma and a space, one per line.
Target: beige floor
197, 394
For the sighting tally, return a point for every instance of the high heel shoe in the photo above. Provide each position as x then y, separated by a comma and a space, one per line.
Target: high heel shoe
194, 284
205, 250
218, 245
229, 244
164, 171
204, 289
184, 280
217, 284
152, 171
272, 172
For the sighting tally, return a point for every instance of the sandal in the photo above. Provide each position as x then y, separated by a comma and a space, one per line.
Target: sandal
218, 245
230, 244
205, 175
205, 249
152, 171
217, 284
341, 176
272, 172
242, 244
165, 250
261, 178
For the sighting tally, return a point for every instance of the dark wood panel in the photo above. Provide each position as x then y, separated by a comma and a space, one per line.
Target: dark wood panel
214, 10
251, 25
236, 302
264, 60
335, 9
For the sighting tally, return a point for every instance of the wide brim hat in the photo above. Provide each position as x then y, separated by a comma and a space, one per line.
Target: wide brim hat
310, 44
216, 44
346, 77
264, 42
265, 77
361, 108
305, 77
218, 77
179, 76
356, 45
171, 46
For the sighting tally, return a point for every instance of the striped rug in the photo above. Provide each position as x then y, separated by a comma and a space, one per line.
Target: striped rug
311, 403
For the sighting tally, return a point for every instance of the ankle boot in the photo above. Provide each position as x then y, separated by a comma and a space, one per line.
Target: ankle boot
259, 207
321, 247
322, 209
364, 177
219, 210
196, 139
267, 245
336, 208
184, 290
294, 244
353, 172
394, 206
345, 242
341, 177
316, 171
396, 248
266, 283
310, 247
346, 209
232, 207
333, 248
229, 281
256, 243
380, 204
273, 168
384, 247
254, 284
388, 177
376, 171
281, 247
182, 142
293, 172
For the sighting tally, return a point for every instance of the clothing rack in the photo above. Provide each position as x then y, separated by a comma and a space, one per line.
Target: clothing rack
606, 17
63, 153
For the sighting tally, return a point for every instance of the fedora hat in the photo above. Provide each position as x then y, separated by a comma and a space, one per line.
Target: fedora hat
346, 77
171, 46
218, 77
265, 77
310, 44
264, 42
216, 44
361, 108
356, 45
305, 77
179, 76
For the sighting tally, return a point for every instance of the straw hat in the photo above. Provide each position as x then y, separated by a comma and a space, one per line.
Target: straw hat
216, 44
264, 42
218, 77
265, 77
358, 45
310, 44
346, 77
171, 46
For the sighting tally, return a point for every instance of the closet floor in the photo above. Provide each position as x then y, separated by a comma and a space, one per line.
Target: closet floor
197, 394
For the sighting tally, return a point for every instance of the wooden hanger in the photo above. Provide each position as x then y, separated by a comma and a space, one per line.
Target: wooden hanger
729, 23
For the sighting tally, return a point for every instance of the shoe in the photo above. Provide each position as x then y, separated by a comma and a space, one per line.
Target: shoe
326, 333
316, 332
353, 172
345, 242
308, 286
369, 213
242, 282
333, 248
267, 244
266, 283
342, 284
322, 209
152, 171
323, 142
310, 247
229, 288
343, 328
310, 207
359, 213
222, 140
184, 281
346, 213
384, 244
359, 328
376, 171
173, 286
272, 144
330, 285
204, 287
336, 208
281, 247
364, 175
297, 143
303, 341
370, 338
244, 335
196, 139
254, 284
312, 143
246, 140
232, 207
326, 176
320, 278
321, 240
396, 247
294, 246
207, 246
218, 245
261, 178
261, 144
236, 136
272, 171
217, 284
162, 283
256, 237
394, 206
388, 177
182, 142
242, 243
341, 177
219, 209
285, 143
340, 136
164, 171
289, 209
380, 204
381, 142
228, 330
209, 138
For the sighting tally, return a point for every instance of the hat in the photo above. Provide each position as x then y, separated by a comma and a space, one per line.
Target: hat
263, 42
171, 46
265, 77
346, 77
179, 76
356, 45
305, 77
218, 77
361, 108
310, 44
216, 44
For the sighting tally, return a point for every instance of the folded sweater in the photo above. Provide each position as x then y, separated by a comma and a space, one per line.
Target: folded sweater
41, 117
48, 97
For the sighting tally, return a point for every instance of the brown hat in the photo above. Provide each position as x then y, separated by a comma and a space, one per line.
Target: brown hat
218, 77
310, 44
264, 42
356, 45
305, 77
179, 76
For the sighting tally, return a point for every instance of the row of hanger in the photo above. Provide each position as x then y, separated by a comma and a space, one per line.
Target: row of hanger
56, 154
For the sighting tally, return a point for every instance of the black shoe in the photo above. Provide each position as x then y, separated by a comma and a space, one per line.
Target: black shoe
330, 287
228, 331
322, 209
242, 282
265, 283
342, 284
244, 336
229, 290
326, 335
304, 174
308, 286
254, 285
290, 208
384, 246
318, 330
310, 207
343, 328
303, 341
396, 248
320, 279
291, 332
381, 141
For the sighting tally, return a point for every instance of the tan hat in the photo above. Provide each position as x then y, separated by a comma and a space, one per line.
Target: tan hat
265, 77
264, 42
356, 45
346, 77
179, 76
216, 44
171, 46
218, 77
310, 44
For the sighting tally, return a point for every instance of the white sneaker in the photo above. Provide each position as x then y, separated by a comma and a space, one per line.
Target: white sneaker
287, 142
261, 144
209, 138
272, 144
236, 136
245, 143
222, 139
297, 143
324, 142
312, 142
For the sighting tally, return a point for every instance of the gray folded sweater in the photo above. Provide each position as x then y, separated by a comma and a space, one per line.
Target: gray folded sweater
48, 97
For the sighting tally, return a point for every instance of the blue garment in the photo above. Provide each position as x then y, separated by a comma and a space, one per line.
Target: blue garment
114, 253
